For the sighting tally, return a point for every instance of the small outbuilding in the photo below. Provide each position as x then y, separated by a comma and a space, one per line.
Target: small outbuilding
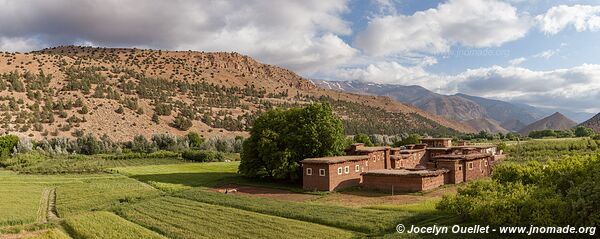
403, 180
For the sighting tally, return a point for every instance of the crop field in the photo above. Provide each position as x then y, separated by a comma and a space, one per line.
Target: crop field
371, 221
106, 225
99, 192
19, 198
184, 176
181, 218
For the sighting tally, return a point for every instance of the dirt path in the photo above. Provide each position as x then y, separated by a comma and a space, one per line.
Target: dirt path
265, 192
52, 216
47, 207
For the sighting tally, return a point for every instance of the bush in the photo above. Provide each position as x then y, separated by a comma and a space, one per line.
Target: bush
7, 144
363, 138
181, 123
203, 156
194, 139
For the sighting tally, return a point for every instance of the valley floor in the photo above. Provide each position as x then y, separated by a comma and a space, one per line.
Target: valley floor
188, 200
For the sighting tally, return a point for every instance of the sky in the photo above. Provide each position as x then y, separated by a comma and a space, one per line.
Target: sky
539, 52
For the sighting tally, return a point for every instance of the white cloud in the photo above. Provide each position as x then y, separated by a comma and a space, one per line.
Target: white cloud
517, 61
547, 54
301, 35
471, 23
19, 44
576, 88
582, 17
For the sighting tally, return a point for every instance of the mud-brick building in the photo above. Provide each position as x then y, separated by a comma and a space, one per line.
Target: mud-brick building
404, 180
464, 167
408, 169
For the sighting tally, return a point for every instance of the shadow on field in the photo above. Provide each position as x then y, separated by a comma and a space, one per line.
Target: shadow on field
213, 180
205, 179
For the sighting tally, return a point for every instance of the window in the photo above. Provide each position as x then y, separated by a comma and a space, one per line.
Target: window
485, 162
340, 171
308, 171
321, 172
347, 169
357, 168
459, 168
470, 165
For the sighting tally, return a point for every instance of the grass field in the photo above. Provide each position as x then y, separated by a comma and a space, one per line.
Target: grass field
99, 192
106, 225
356, 219
181, 218
184, 176
19, 198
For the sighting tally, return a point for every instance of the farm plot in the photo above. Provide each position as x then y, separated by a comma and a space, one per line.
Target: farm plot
21, 199
96, 192
106, 225
182, 218
184, 176
356, 219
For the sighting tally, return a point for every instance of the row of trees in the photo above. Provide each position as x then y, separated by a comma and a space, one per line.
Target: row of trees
89, 144
579, 131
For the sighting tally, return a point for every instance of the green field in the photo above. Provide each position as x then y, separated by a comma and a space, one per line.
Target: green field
169, 198
106, 225
181, 218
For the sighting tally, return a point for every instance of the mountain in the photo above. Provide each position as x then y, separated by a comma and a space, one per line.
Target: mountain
479, 113
69, 91
513, 125
486, 125
593, 123
556, 121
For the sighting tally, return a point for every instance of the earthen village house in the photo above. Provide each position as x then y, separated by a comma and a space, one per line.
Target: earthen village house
412, 168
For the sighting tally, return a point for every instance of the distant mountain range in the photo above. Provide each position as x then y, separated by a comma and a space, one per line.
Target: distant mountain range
477, 112
556, 121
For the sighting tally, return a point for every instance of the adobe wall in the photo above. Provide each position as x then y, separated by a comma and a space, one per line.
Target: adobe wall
479, 170
315, 181
456, 174
402, 183
346, 178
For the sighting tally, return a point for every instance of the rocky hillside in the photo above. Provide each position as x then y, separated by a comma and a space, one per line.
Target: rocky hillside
70, 91
556, 121
593, 123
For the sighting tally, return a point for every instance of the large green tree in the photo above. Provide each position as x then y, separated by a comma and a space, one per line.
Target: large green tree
279, 139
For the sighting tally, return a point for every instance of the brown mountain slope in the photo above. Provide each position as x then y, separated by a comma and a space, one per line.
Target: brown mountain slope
556, 121
67, 91
593, 123
486, 125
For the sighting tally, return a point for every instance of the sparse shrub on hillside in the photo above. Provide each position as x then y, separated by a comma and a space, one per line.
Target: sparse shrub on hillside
181, 123
119, 110
155, 118
203, 156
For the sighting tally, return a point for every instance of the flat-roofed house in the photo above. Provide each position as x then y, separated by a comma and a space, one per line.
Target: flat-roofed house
332, 173
464, 167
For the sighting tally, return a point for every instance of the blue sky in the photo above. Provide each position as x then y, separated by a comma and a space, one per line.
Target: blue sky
539, 52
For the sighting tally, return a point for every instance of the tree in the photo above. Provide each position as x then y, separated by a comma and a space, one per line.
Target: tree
582, 131
363, 138
411, 139
7, 143
280, 139
182, 123
194, 139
